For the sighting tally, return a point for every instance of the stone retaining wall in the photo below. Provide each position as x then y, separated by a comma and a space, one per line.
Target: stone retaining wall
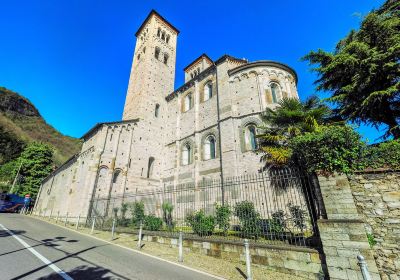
377, 198
303, 262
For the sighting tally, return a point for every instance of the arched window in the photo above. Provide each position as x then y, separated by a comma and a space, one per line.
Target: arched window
208, 91
157, 110
116, 176
275, 92
166, 58
250, 137
167, 39
163, 35
157, 53
159, 32
150, 167
144, 50
209, 148
187, 156
188, 102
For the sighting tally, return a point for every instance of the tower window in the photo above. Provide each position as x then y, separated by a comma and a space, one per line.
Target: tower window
187, 154
188, 102
163, 35
159, 32
157, 110
167, 39
250, 137
166, 58
157, 53
144, 50
208, 91
275, 92
209, 147
150, 167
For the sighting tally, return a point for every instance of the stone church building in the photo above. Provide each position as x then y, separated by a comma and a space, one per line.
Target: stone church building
204, 129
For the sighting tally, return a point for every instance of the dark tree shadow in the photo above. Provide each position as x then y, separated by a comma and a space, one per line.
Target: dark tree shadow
241, 272
84, 272
4, 233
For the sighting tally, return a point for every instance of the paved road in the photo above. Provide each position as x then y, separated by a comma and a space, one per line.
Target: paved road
23, 255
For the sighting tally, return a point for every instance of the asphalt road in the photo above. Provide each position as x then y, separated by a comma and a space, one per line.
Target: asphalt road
34, 249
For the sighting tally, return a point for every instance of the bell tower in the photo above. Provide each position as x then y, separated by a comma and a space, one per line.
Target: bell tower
153, 69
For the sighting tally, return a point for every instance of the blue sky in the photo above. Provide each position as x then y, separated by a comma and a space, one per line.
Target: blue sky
72, 58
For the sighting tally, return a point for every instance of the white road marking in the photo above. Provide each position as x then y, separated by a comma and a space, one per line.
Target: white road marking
39, 256
136, 251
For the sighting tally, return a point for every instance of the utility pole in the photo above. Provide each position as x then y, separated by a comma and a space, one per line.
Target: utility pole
16, 178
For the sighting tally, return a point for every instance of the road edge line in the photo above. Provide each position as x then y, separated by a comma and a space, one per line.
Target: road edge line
134, 250
49, 264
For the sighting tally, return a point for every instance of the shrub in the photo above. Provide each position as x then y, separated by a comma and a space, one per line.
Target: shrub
278, 222
115, 212
167, 215
137, 211
298, 216
152, 222
222, 217
330, 149
123, 221
201, 224
249, 218
383, 155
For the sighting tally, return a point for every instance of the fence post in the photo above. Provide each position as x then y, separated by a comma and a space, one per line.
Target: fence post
248, 259
66, 219
113, 230
139, 244
180, 259
93, 222
51, 214
58, 216
77, 223
364, 268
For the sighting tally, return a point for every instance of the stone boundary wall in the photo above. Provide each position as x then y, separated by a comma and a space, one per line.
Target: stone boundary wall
303, 262
342, 233
377, 198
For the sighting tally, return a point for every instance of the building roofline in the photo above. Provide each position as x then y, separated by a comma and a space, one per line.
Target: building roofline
96, 126
197, 59
226, 57
264, 63
154, 12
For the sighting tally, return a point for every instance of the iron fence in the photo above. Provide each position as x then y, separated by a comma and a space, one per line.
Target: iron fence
275, 207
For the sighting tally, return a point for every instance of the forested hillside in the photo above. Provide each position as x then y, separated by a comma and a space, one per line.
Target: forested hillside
21, 124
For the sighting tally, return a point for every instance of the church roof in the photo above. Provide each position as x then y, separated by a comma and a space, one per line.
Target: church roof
155, 13
197, 59
98, 125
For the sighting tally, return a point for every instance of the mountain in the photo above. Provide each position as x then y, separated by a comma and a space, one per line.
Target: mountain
21, 123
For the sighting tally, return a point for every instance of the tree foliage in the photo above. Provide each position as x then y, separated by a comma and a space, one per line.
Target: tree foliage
382, 155
362, 73
330, 149
290, 119
36, 164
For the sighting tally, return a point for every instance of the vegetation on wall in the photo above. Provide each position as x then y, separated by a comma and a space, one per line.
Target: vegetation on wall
330, 149
362, 73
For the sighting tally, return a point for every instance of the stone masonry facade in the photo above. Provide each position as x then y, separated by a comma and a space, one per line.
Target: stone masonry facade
202, 130
377, 197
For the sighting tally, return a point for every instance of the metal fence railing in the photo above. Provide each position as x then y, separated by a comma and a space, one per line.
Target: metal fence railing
275, 207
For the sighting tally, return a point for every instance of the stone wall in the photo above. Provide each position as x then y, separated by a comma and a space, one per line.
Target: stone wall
377, 197
342, 233
303, 262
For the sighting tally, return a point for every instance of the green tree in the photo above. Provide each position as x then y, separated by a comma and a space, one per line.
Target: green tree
362, 73
37, 164
291, 118
330, 149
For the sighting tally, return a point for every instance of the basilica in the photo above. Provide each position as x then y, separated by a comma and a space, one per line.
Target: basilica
204, 129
